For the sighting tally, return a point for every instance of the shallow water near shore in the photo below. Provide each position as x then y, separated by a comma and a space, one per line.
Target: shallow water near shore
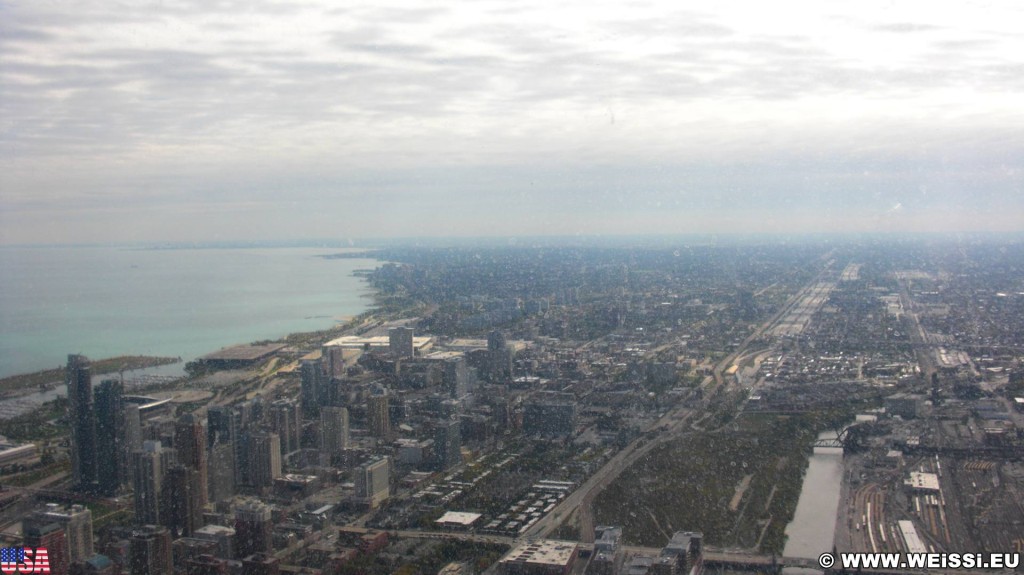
110, 301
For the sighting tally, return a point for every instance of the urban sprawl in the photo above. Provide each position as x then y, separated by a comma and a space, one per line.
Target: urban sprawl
556, 410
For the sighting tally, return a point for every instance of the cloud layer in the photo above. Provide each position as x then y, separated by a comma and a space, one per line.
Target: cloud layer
126, 121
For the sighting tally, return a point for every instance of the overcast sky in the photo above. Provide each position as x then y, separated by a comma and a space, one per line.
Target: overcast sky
221, 120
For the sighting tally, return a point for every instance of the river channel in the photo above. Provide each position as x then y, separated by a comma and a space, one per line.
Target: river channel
813, 527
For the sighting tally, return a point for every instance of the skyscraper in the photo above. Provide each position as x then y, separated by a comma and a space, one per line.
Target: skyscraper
373, 481
378, 417
264, 458
76, 522
496, 341
314, 388
78, 377
149, 465
51, 537
253, 528
447, 444
220, 479
222, 425
333, 432
132, 437
225, 443
499, 357
286, 421
400, 342
455, 376
190, 442
149, 551
111, 437
182, 494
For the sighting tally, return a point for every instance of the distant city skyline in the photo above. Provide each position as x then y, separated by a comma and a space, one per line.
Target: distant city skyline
290, 119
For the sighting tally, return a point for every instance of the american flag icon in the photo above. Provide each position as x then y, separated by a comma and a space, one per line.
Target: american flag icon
24, 561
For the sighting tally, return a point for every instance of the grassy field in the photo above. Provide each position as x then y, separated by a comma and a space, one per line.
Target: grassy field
689, 484
29, 477
46, 422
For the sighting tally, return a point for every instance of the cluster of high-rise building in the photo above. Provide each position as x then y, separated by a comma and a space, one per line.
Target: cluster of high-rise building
361, 412
105, 428
175, 468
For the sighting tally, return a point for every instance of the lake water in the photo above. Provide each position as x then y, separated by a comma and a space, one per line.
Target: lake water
108, 301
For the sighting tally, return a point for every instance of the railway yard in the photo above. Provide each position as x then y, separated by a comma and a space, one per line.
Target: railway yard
906, 501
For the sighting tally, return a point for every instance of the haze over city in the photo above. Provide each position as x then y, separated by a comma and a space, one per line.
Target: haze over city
268, 120
511, 288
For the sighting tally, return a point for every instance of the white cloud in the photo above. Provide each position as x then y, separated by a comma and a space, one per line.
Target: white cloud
175, 103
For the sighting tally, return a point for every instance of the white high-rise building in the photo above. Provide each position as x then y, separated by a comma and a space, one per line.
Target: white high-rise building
373, 482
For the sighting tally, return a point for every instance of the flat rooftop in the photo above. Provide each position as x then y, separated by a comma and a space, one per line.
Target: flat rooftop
375, 342
913, 541
458, 518
443, 355
469, 344
547, 552
922, 481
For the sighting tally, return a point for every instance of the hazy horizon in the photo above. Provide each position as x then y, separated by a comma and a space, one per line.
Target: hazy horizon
356, 245
299, 120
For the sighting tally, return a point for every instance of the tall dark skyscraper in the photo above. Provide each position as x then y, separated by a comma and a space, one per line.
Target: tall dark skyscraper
264, 459
182, 497
78, 377
496, 364
447, 444
150, 465
111, 437
222, 425
149, 551
190, 441
132, 434
253, 528
496, 341
224, 429
400, 342
220, 479
333, 432
378, 416
455, 376
286, 421
314, 388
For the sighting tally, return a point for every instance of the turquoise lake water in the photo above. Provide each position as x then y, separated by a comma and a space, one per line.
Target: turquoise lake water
108, 301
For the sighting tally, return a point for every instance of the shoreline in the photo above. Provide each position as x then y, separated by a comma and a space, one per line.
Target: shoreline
18, 385
295, 338
221, 298
26, 385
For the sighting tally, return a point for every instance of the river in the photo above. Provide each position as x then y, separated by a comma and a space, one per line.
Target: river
813, 527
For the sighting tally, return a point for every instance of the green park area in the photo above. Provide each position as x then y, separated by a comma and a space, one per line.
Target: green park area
738, 485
